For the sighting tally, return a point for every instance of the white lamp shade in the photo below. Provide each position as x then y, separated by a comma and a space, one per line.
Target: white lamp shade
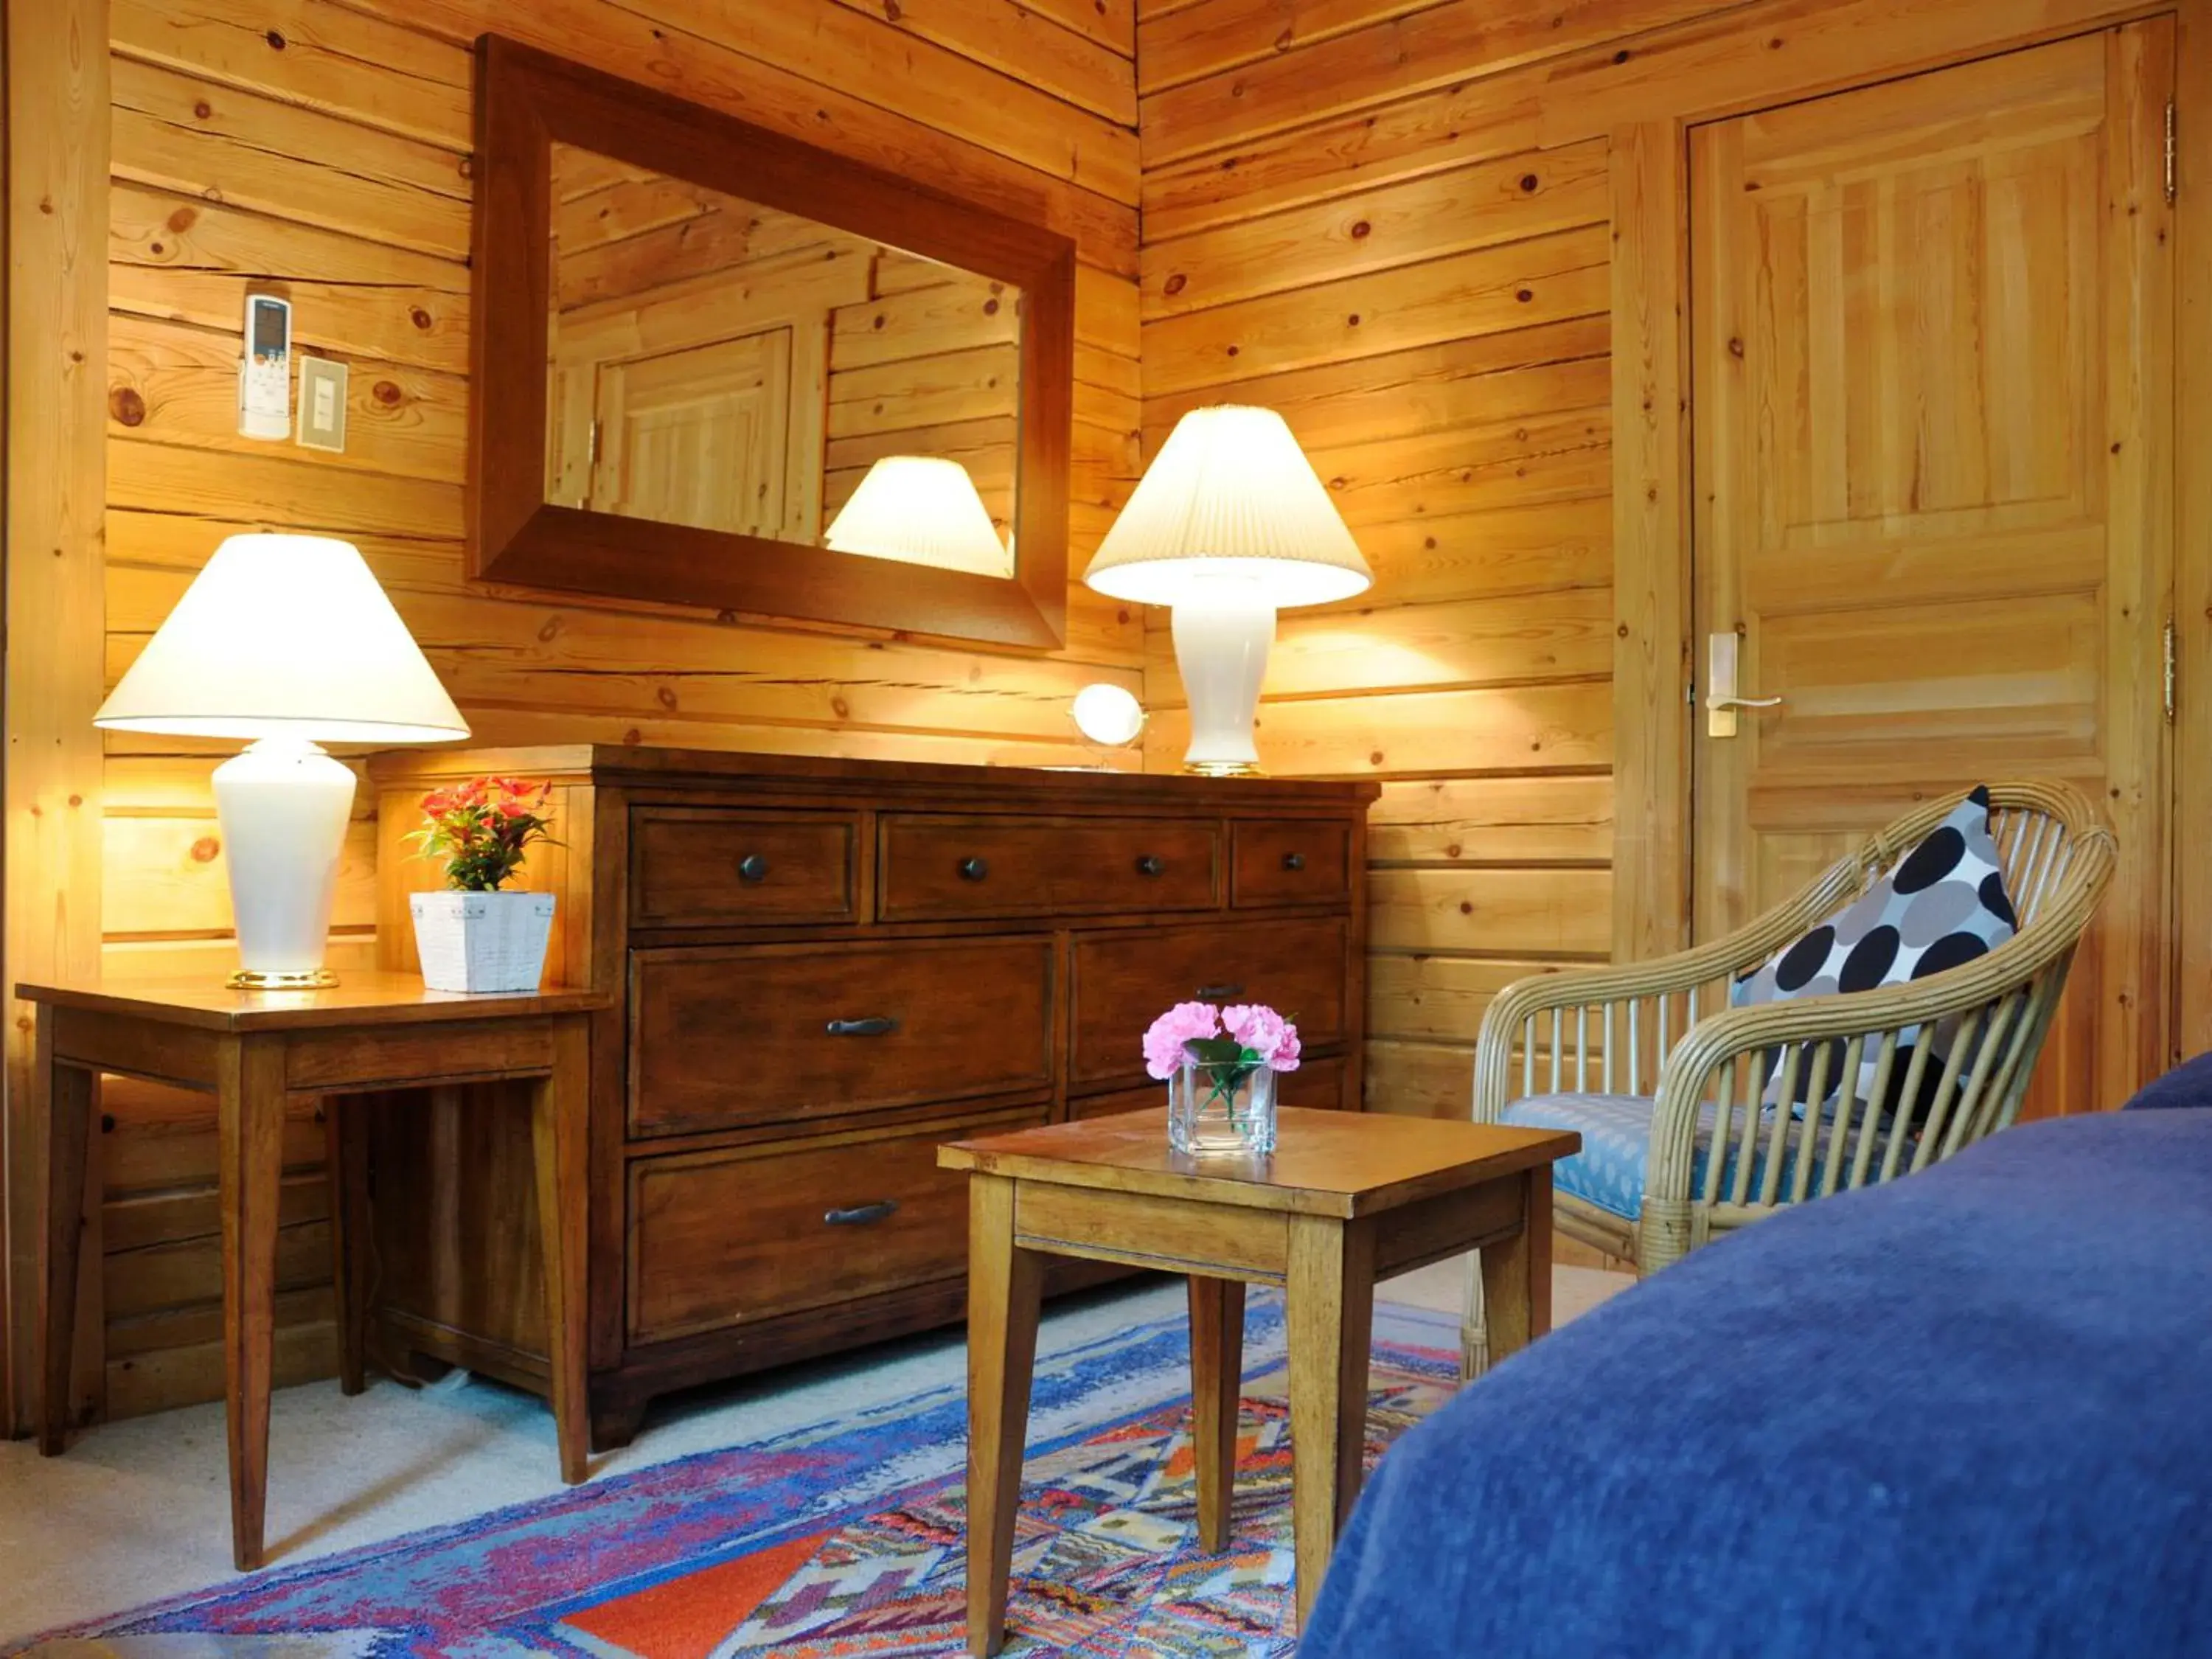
284, 636
922, 509
1230, 495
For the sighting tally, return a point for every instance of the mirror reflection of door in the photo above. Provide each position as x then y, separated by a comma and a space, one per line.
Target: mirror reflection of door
718, 364
699, 437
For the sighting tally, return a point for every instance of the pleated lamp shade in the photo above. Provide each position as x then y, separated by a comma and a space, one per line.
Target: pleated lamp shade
1230, 494
284, 635
922, 509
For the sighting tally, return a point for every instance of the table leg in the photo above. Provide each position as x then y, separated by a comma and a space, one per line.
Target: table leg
1516, 1275
71, 1094
1330, 1306
1004, 1284
1216, 1375
249, 1132
559, 1102
345, 1142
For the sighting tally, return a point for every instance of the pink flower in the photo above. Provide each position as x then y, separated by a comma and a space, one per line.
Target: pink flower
1267, 1035
1164, 1041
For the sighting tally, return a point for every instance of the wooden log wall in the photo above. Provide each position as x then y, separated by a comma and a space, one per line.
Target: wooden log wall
1392, 220
320, 150
1350, 215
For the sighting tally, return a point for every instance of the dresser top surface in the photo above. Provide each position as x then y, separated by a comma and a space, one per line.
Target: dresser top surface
641, 765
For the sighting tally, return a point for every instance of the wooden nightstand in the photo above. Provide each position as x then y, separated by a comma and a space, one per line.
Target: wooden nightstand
252, 1050
1343, 1202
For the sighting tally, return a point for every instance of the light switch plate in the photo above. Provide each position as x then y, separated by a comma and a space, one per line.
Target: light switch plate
322, 403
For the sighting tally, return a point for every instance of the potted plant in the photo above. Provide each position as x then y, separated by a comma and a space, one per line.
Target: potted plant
1220, 1066
474, 936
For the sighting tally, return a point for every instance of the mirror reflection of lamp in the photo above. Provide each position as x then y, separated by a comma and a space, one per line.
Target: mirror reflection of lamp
1229, 524
922, 509
284, 642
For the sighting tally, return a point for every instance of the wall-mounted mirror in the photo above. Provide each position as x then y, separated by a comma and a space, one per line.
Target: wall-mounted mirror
718, 366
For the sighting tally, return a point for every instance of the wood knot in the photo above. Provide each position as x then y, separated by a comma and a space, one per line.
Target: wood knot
1525, 294
128, 408
1620, 56
1234, 350
990, 307
840, 709
1361, 230
203, 109
665, 696
276, 39
420, 317
1175, 283
206, 850
1735, 345
386, 392
1467, 907
183, 220
1530, 181
1353, 321
891, 11
1376, 758
879, 322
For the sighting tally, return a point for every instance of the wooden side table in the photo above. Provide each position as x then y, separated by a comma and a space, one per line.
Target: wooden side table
254, 1050
1346, 1199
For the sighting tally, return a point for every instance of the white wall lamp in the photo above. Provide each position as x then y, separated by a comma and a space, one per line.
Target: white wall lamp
284, 641
1229, 524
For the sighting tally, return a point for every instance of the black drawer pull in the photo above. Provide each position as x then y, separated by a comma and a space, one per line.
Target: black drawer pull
875, 1025
862, 1215
1218, 993
752, 867
1151, 865
1294, 861
972, 869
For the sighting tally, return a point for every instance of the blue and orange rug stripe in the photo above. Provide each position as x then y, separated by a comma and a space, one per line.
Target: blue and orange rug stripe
846, 1539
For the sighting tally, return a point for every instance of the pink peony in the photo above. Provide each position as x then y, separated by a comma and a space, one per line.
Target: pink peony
1267, 1035
1286, 1057
1164, 1041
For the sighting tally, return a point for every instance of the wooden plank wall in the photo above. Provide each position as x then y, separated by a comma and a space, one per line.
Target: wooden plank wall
1391, 219
1345, 220
320, 150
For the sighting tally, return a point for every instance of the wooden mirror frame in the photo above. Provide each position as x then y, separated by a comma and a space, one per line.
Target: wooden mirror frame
528, 102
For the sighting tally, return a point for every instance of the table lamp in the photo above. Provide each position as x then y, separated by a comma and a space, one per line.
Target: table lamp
922, 509
283, 640
1229, 524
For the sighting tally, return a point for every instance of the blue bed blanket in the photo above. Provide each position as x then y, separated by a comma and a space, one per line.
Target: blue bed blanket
1966, 1413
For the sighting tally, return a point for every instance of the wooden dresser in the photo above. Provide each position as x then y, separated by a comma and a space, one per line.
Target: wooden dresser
826, 969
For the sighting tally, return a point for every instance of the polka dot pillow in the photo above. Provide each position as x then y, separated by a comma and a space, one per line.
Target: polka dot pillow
1941, 906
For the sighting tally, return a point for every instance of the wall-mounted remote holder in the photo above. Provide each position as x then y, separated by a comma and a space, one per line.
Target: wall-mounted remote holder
265, 372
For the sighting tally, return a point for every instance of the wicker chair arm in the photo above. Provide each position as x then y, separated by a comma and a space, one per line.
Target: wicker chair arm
1687, 1077
1683, 971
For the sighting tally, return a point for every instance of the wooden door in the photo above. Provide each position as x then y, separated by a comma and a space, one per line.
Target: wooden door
1931, 327
698, 436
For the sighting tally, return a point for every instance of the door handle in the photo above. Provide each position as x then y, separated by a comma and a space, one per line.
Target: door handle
1722, 699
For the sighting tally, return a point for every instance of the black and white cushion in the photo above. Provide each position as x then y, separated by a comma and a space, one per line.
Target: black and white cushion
1939, 906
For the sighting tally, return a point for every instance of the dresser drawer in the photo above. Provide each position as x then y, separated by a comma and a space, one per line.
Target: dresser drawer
940, 869
1287, 861
765, 1034
724, 1238
707, 867
1123, 982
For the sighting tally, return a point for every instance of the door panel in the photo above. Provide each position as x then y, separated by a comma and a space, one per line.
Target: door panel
1931, 334
696, 436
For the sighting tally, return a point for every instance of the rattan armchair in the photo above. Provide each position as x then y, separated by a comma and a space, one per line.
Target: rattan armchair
1675, 1086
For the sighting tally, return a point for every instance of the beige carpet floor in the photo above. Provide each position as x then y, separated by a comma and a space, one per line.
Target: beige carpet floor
139, 1510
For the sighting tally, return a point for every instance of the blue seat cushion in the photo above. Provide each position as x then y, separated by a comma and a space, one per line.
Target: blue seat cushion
1610, 1171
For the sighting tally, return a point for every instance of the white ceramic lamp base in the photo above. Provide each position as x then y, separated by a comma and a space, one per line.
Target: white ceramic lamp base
1223, 629
283, 805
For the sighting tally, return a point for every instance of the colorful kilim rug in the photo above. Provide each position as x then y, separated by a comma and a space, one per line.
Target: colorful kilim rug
845, 1539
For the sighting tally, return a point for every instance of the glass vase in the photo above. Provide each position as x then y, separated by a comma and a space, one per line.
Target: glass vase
1221, 1109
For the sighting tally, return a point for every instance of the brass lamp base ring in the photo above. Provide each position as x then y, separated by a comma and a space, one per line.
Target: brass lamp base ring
311, 979
1222, 768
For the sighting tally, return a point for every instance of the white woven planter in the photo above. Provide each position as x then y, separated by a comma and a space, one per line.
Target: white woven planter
482, 941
